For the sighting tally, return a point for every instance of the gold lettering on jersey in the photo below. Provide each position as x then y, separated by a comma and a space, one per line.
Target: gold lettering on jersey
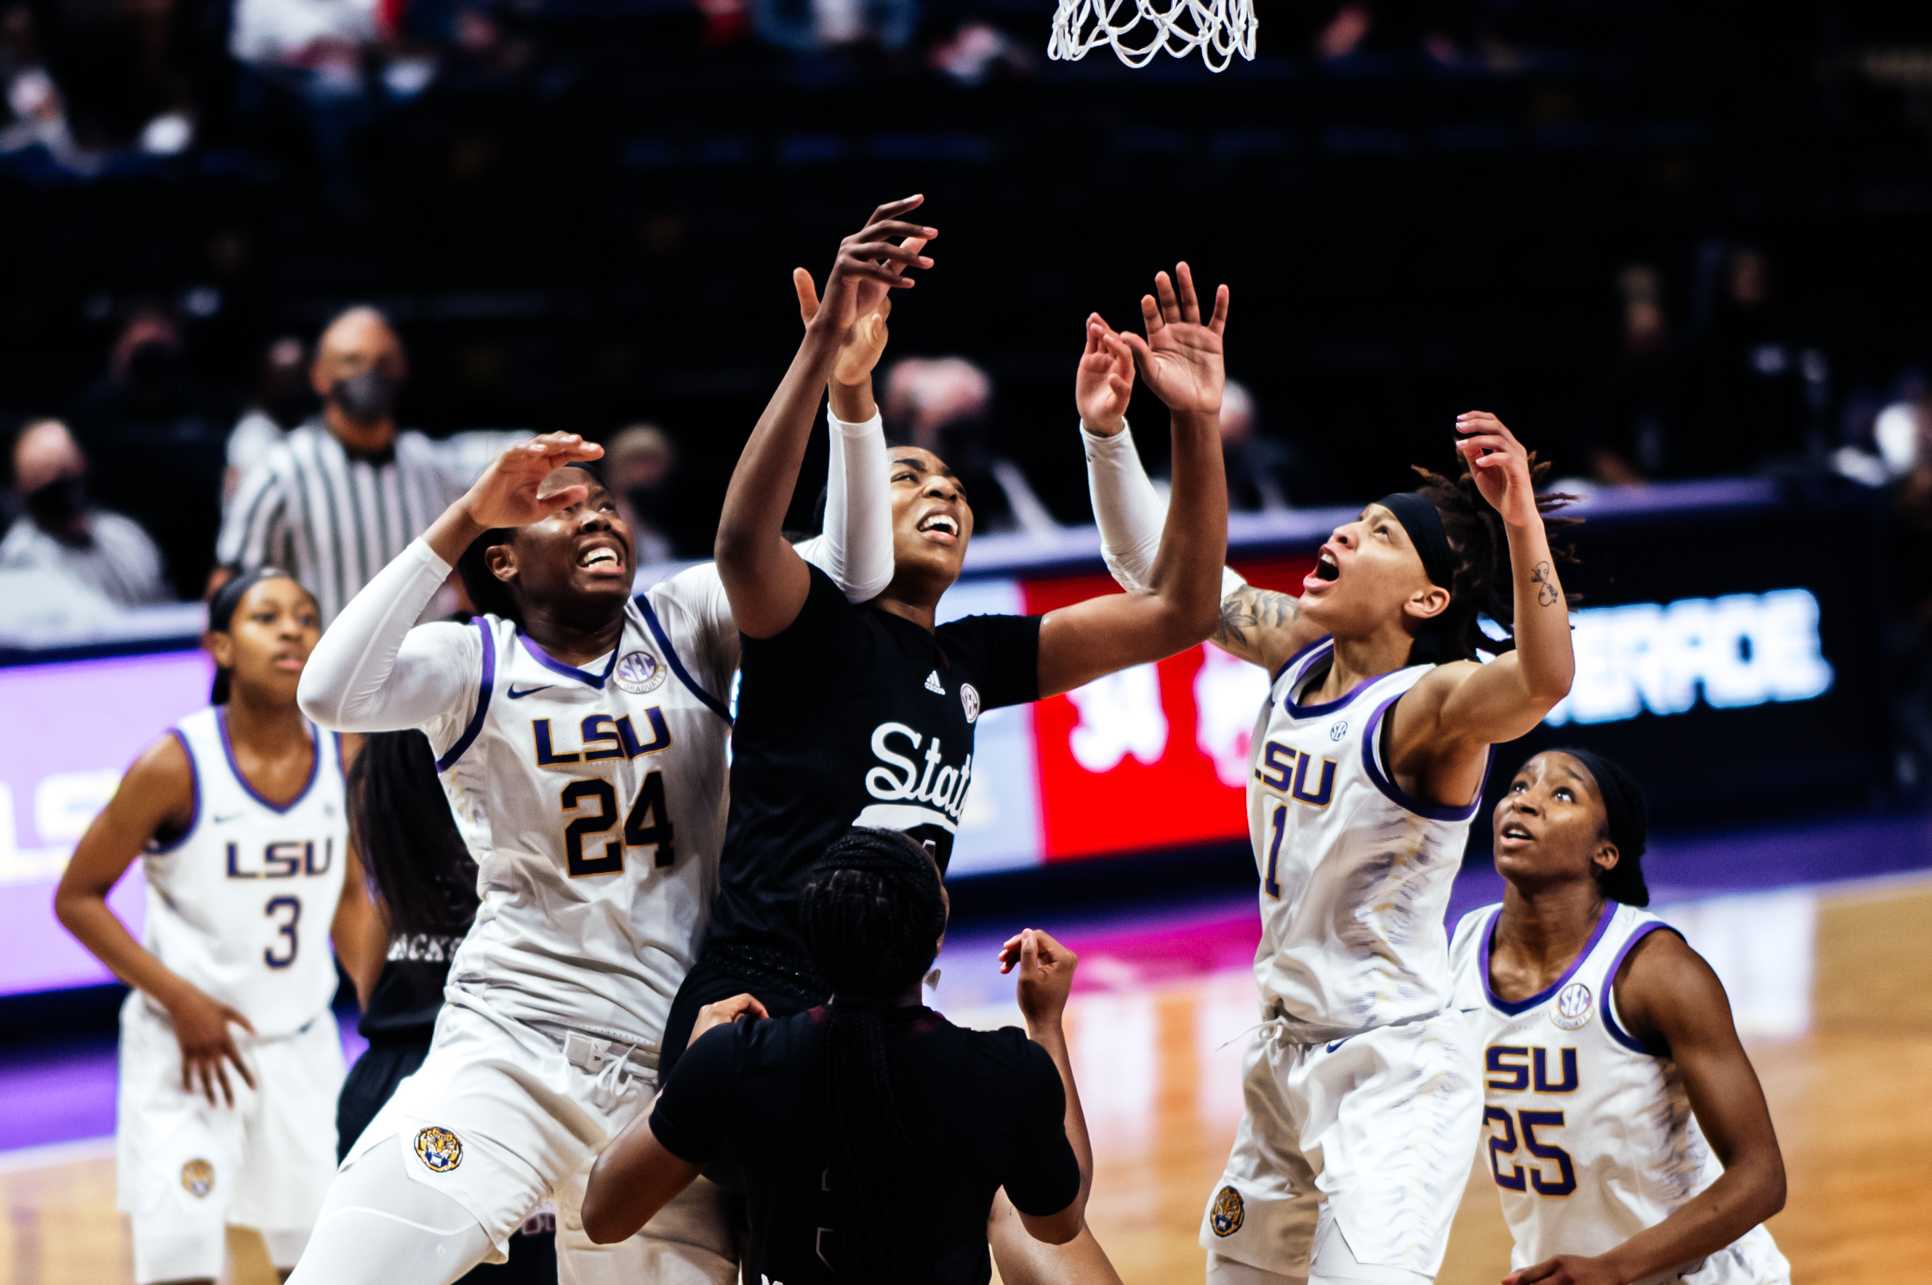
286, 859
602, 737
1283, 769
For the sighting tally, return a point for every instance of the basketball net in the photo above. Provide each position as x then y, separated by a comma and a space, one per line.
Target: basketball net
1139, 29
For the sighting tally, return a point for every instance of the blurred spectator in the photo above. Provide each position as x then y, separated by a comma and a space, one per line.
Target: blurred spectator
1754, 375
283, 400
1646, 388
804, 26
62, 536
1257, 466
944, 404
325, 37
342, 495
639, 464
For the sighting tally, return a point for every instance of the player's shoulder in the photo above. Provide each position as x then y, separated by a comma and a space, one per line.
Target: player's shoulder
1468, 930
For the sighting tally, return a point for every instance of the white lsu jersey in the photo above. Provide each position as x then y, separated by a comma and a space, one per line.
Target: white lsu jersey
241, 903
1588, 1134
593, 801
1355, 874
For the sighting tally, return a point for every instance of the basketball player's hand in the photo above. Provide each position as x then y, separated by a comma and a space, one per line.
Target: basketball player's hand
1499, 463
860, 352
202, 1027
1046, 974
1181, 359
725, 1011
1567, 1269
871, 262
509, 494
1105, 381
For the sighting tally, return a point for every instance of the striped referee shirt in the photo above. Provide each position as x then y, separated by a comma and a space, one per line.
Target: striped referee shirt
332, 517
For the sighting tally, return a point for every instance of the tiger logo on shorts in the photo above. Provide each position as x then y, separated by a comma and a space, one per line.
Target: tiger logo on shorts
438, 1149
198, 1178
1227, 1213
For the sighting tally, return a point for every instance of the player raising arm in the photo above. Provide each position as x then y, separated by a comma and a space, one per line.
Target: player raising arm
1369, 762
1626, 1131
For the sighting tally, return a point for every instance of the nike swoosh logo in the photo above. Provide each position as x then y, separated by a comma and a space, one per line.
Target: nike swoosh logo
517, 695
1338, 1043
224, 820
1476, 1009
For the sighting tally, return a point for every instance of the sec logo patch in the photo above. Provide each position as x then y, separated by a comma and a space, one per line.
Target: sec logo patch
1572, 1008
638, 672
198, 1178
1227, 1213
439, 1149
969, 701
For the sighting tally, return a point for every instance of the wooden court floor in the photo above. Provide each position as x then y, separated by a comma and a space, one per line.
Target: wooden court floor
1833, 990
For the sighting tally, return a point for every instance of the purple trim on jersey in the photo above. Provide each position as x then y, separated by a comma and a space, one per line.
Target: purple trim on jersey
1401, 797
1512, 1008
228, 749
549, 662
1298, 710
485, 686
718, 707
1297, 656
1610, 1022
194, 812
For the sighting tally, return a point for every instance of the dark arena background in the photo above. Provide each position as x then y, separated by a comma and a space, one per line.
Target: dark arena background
1681, 250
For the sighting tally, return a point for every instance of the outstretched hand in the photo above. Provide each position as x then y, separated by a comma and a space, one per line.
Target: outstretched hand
1500, 464
866, 342
1105, 381
1181, 358
871, 262
507, 493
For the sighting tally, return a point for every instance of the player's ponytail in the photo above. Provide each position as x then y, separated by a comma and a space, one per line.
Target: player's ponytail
400, 820
872, 912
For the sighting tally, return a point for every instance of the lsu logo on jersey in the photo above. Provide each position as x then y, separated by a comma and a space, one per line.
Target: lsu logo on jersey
601, 736
289, 859
1283, 769
1521, 1068
438, 1149
198, 1178
1227, 1213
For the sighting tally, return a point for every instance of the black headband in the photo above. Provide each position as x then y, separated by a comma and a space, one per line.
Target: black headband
1418, 516
221, 607
1624, 813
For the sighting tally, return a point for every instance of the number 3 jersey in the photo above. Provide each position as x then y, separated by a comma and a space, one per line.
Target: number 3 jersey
1355, 874
1588, 1134
240, 903
593, 800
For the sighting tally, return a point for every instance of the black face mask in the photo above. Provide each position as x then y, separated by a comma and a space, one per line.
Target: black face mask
55, 506
366, 399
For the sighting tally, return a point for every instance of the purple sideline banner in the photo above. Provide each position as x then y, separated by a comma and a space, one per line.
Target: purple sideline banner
68, 731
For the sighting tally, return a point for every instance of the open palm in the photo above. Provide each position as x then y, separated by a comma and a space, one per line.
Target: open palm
507, 493
1181, 357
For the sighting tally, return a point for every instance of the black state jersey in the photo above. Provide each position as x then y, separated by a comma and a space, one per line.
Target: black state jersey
975, 1111
854, 716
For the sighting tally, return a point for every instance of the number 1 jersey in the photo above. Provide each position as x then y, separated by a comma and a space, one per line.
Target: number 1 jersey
593, 800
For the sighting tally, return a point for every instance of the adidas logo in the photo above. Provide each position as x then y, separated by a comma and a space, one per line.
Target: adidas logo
933, 685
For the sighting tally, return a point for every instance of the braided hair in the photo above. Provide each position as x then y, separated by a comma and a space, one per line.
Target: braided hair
872, 912
423, 873
1483, 583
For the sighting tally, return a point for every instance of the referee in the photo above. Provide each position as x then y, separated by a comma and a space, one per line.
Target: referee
871, 1133
339, 498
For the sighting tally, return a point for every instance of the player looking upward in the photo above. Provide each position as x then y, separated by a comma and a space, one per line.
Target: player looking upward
1626, 1131
871, 1132
237, 816
580, 733
1369, 762
864, 714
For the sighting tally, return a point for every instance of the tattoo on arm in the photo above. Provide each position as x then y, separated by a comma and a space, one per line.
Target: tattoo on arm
1546, 591
1248, 614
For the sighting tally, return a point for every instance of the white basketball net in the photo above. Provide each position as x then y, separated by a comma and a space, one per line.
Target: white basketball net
1139, 29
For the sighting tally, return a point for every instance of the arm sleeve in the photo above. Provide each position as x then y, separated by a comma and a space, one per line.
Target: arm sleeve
1129, 512
856, 547
692, 1112
1003, 655
251, 520
1045, 1174
372, 672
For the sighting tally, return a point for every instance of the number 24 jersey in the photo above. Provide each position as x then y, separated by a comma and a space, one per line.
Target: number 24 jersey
593, 800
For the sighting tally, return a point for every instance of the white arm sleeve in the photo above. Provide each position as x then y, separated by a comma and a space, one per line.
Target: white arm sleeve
372, 672
856, 548
1130, 513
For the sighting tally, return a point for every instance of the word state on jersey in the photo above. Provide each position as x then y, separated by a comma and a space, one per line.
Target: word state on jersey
911, 780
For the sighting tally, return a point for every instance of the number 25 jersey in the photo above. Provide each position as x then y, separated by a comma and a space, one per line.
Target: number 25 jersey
593, 800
